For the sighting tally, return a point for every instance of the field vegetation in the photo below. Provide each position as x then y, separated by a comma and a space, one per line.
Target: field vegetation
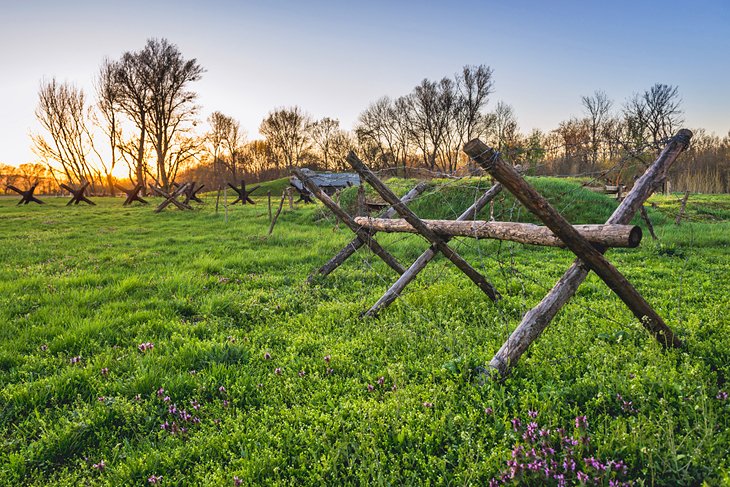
181, 349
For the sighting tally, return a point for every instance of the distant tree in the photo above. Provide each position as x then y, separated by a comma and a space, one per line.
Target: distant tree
108, 93
597, 108
287, 133
653, 116
63, 113
226, 139
154, 94
474, 85
504, 127
327, 139
431, 106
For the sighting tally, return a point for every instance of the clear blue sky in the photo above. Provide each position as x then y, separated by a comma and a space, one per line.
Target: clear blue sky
332, 58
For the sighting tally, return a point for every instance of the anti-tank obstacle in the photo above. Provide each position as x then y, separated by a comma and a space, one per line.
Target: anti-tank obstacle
77, 195
588, 248
27, 195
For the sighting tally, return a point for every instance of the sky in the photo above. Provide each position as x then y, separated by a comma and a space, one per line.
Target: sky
333, 58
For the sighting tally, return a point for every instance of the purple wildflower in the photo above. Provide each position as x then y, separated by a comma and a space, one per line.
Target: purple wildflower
225, 403
154, 479
138, 397
222, 389
330, 371
278, 371
237, 481
104, 371
516, 423
488, 410
267, 356
371, 388
195, 404
394, 388
581, 422
381, 381
428, 405
582, 477
75, 360
99, 466
532, 414
160, 392
143, 347
101, 399
327, 359
302, 373
44, 347
722, 395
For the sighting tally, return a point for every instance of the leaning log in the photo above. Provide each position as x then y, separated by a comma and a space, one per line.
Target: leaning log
526, 233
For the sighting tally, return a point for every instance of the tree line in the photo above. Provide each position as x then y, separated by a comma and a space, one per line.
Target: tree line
144, 118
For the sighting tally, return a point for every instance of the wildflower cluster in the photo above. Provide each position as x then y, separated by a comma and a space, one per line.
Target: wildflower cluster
178, 420
544, 456
143, 347
381, 384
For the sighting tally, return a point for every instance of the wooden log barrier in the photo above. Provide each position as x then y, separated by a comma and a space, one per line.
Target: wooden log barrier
356, 243
526, 233
171, 198
413, 219
429, 254
132, 194
77, 195
538, 318
362, 234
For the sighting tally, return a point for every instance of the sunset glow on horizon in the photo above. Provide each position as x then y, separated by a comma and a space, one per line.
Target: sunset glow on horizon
334, 58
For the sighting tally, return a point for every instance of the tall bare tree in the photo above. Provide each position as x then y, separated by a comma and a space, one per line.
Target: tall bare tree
597, 108
63, 113
154, 94
654, 115
108, 92
287, 133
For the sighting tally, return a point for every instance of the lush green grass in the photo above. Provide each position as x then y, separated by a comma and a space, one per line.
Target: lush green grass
224, 306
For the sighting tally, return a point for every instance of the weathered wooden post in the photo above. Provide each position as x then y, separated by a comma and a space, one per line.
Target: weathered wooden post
268, 196
682, 207
537, 319
278, 211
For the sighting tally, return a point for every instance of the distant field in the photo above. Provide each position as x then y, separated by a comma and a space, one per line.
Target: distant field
181, 347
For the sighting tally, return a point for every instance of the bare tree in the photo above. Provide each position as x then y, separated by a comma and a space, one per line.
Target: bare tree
431, 111
154, 94
286, 131
653, 116
327, 138
504, 127
597, 109
62, 112
108, 92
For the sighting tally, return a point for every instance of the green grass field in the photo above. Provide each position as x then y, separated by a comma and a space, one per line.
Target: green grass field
181, 349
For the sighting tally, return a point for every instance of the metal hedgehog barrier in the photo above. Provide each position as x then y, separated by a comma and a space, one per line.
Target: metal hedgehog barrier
587, 242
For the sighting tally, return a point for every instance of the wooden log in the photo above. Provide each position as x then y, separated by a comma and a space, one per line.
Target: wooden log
492, 162
171, 198
682, 207
268, 196
526, 233
423, 230
538, 318
422, 261
347, 220
278, 211
356, 243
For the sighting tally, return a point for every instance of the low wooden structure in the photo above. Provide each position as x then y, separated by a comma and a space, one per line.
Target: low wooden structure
132, 194
27, 195
77, 195
244, 195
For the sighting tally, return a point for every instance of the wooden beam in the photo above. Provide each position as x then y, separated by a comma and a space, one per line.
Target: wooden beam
397, 288
347, 220
423, 230
171, 198
537, 319
356, 243
526, 233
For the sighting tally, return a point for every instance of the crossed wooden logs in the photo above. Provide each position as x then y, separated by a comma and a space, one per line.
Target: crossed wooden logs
27, 196
588, 243
171, 198
191, 192
132, 194
77, 195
